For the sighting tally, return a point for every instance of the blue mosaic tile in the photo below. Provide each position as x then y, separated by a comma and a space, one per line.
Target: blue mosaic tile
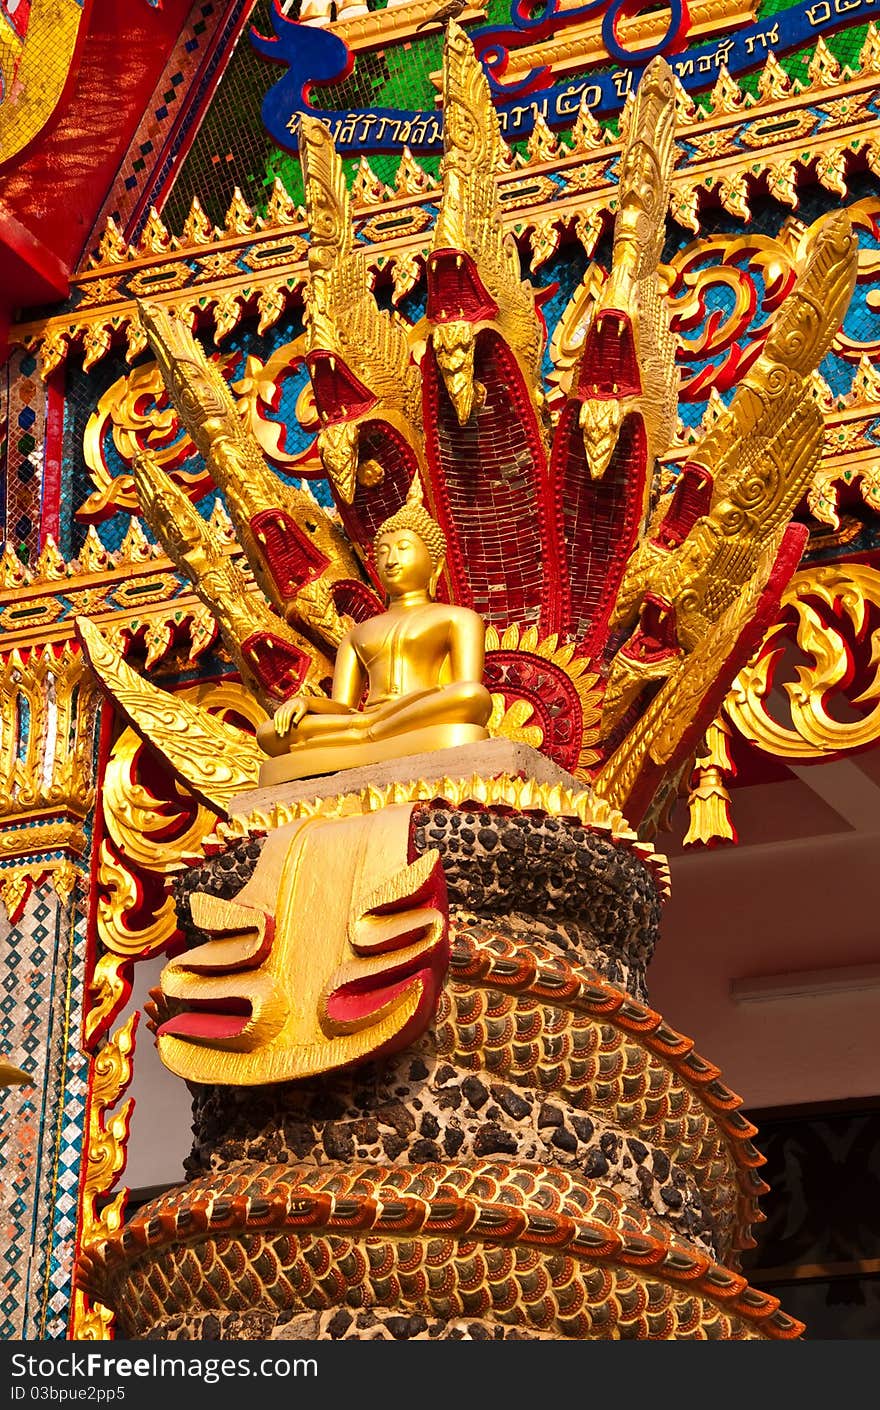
41, 1138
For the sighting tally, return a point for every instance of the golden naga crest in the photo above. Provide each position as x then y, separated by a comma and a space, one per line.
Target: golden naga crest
474, 278
358, 355
558, 584
642, 349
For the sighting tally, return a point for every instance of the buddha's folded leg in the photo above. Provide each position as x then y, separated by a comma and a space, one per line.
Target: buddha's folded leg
465, 702
270, 741
324, 728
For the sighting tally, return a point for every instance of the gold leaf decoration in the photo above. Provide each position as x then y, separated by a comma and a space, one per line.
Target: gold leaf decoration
214, 759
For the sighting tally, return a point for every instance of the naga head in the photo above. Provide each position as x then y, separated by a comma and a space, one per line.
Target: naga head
195, 385
454, 344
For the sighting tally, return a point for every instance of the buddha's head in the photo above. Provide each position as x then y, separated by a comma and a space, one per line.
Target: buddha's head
410, 549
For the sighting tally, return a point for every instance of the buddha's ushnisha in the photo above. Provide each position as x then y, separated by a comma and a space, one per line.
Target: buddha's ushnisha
420, 660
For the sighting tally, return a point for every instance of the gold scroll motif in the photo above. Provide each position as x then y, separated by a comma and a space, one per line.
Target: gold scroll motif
106, 991
147, 837
835, 611
135, 415
332, 953
106, 1140
258, 389
213, 758
757, 267
750, 270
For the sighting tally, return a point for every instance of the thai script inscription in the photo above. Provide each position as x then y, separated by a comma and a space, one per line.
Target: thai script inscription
318, 56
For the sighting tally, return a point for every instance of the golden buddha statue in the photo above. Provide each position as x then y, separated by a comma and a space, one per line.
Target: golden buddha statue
421, 662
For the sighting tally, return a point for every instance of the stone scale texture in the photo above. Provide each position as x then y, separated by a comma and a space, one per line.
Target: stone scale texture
550, 1160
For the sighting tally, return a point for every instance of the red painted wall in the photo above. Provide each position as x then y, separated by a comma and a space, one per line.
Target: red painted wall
49, 200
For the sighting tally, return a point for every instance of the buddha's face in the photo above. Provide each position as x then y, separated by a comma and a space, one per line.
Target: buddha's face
403, 562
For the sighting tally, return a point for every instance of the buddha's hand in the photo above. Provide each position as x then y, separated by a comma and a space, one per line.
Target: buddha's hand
288, 715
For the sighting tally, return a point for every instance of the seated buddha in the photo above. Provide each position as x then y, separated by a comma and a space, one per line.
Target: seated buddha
420, 663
